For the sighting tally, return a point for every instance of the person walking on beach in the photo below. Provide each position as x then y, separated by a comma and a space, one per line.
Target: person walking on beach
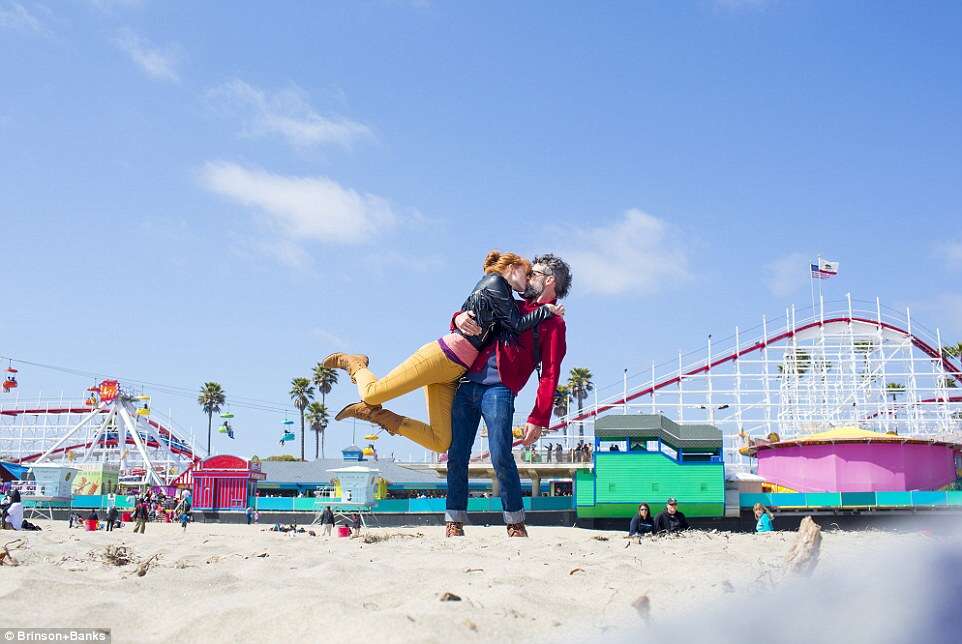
327, 521
140, 516
250, 515
111, 518
356, 524
439, 365
670, 520
489, 388
184, 519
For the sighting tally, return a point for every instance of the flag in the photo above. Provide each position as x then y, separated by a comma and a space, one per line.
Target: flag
824, 269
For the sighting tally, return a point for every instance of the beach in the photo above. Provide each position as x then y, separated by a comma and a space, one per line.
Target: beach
227, 582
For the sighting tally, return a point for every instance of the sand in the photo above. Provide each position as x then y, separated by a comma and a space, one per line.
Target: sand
229, 583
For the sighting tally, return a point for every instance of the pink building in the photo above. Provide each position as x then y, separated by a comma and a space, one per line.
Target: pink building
225, 482
856, 460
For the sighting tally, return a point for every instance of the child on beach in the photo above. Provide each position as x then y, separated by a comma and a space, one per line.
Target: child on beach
438, 365
763, 516
184, 519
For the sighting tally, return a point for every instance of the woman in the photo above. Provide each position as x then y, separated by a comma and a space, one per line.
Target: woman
763, 518
642, 523
15, 512
438, 365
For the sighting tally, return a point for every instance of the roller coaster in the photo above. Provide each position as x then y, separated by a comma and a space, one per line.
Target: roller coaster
840, 363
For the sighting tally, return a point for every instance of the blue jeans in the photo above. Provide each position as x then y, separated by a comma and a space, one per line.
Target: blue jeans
496, 404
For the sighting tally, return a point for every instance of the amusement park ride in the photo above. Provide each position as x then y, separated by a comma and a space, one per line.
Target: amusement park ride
109, 426
846, 363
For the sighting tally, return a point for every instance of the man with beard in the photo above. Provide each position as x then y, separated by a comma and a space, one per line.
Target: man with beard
489, 388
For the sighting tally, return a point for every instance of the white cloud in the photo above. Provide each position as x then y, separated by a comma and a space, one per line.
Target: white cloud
638, 254
788, 274
286, 113
157, 63
14, 15
951, 254
301, 208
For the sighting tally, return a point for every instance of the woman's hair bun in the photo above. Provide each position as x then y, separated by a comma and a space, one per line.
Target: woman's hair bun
491, 259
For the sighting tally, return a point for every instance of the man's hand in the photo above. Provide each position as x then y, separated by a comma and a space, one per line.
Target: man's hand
466, 324
557, 309
531, 434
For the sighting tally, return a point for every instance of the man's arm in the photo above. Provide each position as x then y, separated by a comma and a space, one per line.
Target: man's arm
553, 350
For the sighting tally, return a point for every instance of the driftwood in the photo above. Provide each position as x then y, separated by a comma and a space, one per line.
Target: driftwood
6, 559
802, 557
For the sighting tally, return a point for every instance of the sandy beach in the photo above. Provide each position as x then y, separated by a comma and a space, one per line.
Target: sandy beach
220, 583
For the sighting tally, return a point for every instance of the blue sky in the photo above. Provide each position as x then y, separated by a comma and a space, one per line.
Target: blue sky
229, 191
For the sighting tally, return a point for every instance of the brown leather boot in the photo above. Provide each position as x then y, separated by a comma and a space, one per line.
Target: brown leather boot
372, 414
347, 361
517, 530
453, 529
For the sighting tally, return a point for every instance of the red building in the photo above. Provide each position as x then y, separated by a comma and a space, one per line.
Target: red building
224, 482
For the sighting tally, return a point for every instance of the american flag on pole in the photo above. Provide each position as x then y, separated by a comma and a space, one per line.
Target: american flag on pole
824, 269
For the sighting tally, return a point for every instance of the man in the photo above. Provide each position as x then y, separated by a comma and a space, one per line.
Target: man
489, 388
111, 518
327, 521
670, 520
141, 513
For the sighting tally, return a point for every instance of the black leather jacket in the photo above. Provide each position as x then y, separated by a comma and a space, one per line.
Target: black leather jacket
495, 311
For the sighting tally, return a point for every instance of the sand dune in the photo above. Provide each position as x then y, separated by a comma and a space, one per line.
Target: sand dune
228, 583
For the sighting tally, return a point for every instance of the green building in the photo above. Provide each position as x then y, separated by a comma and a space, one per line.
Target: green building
648, 458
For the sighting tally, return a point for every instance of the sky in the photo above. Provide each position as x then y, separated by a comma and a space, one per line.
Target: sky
230, 191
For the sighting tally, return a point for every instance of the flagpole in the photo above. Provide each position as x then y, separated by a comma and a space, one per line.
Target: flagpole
819, 284
811, 283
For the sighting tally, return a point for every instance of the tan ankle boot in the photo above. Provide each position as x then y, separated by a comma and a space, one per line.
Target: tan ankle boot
346, 361
453, 529
372, 414
517, 530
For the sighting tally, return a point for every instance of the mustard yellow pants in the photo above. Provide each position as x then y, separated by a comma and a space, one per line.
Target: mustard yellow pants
429, 368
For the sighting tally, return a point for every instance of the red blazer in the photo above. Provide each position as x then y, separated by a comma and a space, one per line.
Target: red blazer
516, 362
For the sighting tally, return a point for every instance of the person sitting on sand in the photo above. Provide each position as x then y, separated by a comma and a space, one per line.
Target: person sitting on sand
641, 523
670, 520
14, 518
763, 518
439, 365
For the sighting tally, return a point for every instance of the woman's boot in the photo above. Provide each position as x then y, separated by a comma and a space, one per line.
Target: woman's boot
346, 361
372, 414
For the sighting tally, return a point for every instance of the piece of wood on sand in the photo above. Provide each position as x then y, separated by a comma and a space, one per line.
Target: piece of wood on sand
802, 557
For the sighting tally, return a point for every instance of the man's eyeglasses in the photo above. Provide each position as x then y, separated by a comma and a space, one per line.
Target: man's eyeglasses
542, 273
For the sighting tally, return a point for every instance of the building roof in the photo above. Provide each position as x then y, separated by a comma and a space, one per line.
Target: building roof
317, 472
843, 435
656, 426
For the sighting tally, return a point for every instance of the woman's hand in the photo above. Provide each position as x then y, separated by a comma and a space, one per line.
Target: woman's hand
557, 309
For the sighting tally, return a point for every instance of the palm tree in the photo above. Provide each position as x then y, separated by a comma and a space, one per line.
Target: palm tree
324, 379
894, 389
302, 392
561, 399
317, 416
954, 350
211, 399
580, 385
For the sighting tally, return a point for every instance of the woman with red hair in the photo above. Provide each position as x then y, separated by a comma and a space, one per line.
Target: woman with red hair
438, 365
